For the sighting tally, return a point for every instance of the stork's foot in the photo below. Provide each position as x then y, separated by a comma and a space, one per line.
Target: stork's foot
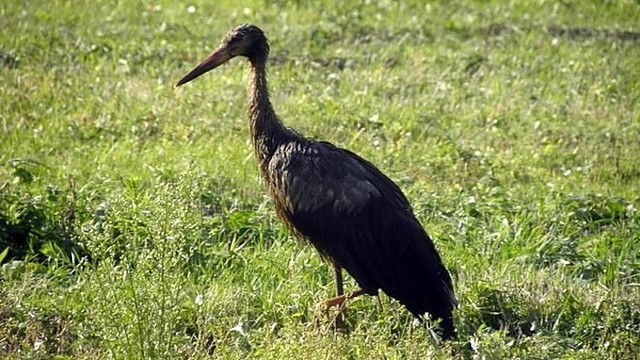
342, 299
340, 303
339, 327
338, 318
335, 301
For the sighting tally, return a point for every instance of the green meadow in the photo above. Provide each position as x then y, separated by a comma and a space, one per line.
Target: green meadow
134, 225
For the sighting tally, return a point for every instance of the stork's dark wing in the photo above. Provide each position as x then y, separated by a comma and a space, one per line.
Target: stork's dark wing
358, 217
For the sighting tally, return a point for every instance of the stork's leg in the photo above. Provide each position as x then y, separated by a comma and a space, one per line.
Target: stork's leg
340, 300
337, 274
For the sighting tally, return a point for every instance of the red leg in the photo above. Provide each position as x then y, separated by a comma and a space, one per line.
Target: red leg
339, 300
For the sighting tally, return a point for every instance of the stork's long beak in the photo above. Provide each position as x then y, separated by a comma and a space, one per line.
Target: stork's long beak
218, 57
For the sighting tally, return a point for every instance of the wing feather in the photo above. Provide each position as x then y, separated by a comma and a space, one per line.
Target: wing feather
354, 214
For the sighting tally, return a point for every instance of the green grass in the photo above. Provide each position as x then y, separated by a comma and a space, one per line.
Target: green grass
133, 223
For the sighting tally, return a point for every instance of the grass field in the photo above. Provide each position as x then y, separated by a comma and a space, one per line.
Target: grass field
133, 223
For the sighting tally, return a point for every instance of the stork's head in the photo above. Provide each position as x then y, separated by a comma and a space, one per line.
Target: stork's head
245, 40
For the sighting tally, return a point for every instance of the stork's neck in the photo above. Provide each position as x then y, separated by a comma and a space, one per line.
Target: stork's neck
267, 132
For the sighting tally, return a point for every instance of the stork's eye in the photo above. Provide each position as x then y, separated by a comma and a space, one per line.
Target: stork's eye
234, 46
233, 49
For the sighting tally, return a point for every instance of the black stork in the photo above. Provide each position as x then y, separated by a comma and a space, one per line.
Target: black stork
354, 215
